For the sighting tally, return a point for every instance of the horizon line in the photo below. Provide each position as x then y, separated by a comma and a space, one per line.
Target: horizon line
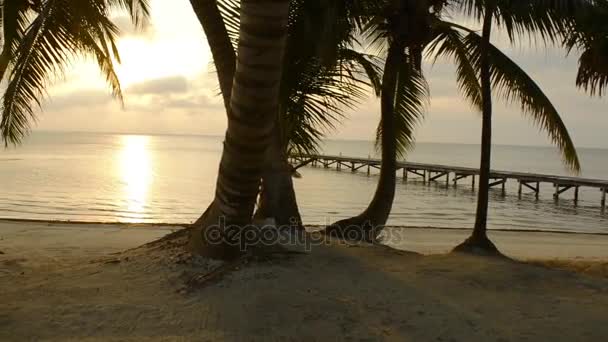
325, 139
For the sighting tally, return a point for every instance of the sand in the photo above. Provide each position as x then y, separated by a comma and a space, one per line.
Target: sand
85, 282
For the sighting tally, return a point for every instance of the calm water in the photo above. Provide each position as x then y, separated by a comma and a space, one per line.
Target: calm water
129, 178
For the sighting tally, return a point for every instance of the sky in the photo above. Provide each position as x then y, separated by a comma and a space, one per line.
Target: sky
170, 88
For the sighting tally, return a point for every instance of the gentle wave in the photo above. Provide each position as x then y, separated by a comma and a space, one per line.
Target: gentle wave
159, 179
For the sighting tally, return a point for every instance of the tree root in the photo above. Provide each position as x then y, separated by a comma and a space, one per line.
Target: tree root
481, 246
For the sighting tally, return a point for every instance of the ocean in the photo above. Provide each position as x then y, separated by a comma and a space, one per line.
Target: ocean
170, 179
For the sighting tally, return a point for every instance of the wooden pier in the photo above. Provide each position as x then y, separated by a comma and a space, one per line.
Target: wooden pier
431, 173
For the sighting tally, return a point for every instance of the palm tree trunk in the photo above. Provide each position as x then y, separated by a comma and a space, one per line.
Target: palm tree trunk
279, 194
251, 121
479, 242
367, 225
4, 61
278, 197
224, 58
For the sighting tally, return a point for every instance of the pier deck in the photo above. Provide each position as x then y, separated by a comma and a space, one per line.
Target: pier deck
436, 173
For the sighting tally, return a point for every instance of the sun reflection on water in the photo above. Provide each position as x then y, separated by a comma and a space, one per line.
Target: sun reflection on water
136, 175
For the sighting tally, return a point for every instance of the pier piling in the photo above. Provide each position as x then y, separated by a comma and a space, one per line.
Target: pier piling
519, 190
431, 172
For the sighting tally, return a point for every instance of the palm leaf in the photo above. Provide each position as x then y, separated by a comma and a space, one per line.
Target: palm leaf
314, 100
231, 13
589, 36
13, 22
138, 9
449, 43
369, 63
592, 73
323, 74
411, 103
513, 85
544, 19
60, 30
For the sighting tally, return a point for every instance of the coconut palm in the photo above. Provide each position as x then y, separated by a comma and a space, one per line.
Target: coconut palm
442, 38
403, 98
210, 16
589, 35
60, 29
479, 238
323, 75
40, 37
254, 104
14, 22
547, 19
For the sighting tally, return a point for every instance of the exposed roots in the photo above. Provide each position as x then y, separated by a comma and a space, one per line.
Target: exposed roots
481, 246
198, 239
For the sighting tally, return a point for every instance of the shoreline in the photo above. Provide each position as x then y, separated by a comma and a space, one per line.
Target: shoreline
313, 227
99, 238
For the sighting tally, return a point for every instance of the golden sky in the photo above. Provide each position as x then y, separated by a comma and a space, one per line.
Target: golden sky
170, 88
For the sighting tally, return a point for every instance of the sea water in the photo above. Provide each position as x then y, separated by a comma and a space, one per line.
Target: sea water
171, 179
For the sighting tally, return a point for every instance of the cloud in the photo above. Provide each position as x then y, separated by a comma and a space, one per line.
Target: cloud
175, 45
128, 29
166, 85
78, 99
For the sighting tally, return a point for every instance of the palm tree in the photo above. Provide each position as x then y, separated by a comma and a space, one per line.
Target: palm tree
439, 37
479, 238
62, 28
254, 104
552, 21
224, 57
39, 39
589, 35
13, 25
403, 98
323, 75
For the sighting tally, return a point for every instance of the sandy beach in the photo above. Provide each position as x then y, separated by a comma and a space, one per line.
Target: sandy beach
61, 281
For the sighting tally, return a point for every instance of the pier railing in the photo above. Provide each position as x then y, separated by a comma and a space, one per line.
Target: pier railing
439, 173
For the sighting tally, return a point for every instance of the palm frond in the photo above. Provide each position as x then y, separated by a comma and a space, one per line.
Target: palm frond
323, 74
449, 43
411, 102
60, 30
14, 23
592, 73
376, 33
546, 20
370, 64
314, 101
231, 13
138, 9
589, 36
513, 85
